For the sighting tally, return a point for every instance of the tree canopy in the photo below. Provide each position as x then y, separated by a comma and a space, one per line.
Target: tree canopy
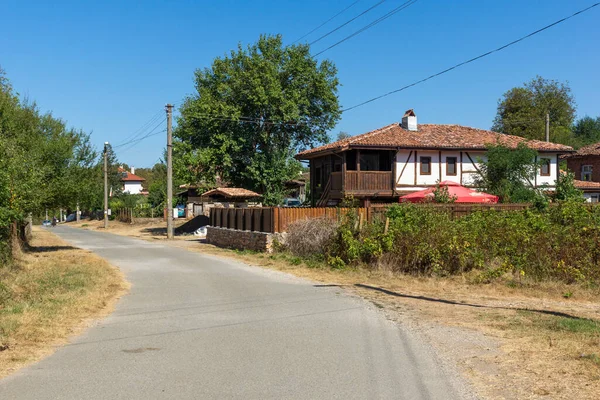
253, 109
522, 110
509, 173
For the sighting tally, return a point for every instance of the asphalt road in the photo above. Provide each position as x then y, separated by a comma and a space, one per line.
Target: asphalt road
199, 327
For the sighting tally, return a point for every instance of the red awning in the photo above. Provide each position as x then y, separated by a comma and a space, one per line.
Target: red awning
461, 193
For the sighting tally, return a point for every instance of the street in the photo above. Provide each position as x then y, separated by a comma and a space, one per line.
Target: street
201, 327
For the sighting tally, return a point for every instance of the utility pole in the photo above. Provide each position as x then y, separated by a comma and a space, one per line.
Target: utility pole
169, 110
547, 127
105, 185
77, 212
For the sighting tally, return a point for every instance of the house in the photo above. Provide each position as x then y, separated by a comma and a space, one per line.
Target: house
132, 183
223, 197
401, 158
585, 164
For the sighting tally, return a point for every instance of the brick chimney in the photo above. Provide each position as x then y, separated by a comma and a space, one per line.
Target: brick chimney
409, 120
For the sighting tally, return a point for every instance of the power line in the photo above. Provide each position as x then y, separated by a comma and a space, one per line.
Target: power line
144, 127
244, 120
474, 58
378, 20
347, 22
324, 23
151, 133
141, 139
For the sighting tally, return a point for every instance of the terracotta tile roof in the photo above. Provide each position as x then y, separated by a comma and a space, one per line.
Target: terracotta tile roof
232, 192
431, 136
128, 176
583, 185
589, 150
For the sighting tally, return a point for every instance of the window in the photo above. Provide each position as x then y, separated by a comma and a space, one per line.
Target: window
351, 160
594, 198
586, 172
545, 167
451, 166
425, 165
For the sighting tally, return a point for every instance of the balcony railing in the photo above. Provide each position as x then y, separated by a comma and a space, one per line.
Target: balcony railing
368, 181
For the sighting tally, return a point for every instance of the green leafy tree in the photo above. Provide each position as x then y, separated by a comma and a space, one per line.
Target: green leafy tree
587, 130
253, 110
441, 194
522, 111
509, 173
565, 188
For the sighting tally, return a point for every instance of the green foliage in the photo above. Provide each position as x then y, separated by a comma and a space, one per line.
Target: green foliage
587, 130
522, 111
43, 163
442, 195
558, 243
509, 174
565, 188
290, 99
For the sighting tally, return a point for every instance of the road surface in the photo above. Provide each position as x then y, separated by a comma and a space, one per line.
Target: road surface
200, 327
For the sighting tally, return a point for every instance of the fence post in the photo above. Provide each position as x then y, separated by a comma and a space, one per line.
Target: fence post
275, 219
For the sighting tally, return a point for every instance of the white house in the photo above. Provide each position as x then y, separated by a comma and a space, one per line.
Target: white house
400, 158
132, 183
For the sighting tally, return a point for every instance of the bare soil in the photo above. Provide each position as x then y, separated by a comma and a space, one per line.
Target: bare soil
511, 341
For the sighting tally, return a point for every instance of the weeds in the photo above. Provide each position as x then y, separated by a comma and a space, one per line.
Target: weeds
560, 243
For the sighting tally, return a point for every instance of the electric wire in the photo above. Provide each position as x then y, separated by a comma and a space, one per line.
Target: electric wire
473, 59
377, 21
325, 23
143, 128
151, 133
347, 22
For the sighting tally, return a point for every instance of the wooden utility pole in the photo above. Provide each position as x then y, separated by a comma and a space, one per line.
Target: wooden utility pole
105, 185
547, 127
169, 110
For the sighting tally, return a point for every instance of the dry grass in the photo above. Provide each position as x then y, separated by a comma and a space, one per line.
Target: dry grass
502, 335
50, 293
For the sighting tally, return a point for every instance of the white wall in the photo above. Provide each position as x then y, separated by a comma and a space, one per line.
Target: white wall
132, 187
466, 171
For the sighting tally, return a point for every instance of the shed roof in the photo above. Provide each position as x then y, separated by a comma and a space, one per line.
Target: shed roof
231, 192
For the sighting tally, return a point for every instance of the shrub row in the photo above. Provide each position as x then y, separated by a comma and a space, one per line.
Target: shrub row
561, 242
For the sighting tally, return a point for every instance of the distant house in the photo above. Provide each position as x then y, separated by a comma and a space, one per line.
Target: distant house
199, 203
585, 164
400, 158
132, 183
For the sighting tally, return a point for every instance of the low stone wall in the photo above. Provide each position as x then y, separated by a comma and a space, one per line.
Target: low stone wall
243, 240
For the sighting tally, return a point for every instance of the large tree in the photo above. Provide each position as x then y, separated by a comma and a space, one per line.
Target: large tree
509, 173
253, 109
587, 130
522, 110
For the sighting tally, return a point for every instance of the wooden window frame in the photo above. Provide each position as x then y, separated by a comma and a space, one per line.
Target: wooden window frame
590, 172
421, 165
545, 162
455, 166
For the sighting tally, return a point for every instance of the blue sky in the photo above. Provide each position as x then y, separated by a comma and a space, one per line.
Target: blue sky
108, 67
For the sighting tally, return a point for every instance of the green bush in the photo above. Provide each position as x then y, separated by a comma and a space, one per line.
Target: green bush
560, 242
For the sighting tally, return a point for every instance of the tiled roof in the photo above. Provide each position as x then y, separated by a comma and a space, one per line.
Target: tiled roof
432, 136
128, 176
589, 150
231, 192
586, 185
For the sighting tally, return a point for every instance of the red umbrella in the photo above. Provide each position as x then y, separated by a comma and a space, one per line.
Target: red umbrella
460, 193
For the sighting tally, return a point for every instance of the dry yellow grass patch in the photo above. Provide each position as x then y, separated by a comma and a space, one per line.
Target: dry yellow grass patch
50, 293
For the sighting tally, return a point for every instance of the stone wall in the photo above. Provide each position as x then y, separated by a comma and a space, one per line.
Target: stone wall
243, 240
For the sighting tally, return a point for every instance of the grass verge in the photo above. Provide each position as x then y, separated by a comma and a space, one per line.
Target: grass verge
48, 294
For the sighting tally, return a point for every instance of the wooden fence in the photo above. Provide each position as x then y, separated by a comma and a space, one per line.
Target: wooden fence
276, 219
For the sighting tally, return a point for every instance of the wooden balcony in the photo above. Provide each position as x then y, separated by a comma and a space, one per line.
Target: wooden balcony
363, 183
